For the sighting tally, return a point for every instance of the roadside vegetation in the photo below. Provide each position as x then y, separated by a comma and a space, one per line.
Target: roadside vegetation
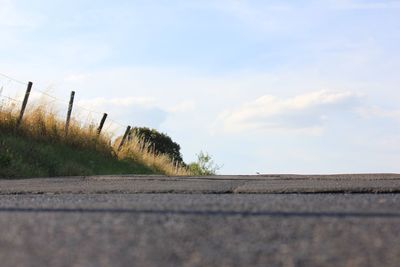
160, 143
204, 165
39, 147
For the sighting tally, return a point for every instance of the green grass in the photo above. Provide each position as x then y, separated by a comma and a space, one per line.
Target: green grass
40, 147
26, 157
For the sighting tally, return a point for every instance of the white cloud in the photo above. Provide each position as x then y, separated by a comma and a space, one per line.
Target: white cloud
144, 111
303, 113
134, 102
183, 106
117, 102
378, 112
75, 77
134, 111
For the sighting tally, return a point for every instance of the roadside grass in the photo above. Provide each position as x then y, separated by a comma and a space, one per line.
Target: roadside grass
39, 147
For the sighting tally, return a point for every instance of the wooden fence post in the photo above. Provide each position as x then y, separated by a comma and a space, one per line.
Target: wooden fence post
27, 93
128, 129
129, 137
101, 123
176, 167
71, 103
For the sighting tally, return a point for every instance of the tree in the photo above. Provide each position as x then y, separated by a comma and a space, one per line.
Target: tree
159, 142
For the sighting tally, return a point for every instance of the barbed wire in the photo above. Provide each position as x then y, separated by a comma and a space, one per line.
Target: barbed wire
116, 122
46, 94
13, 79
93, 111
51, 96
66, 102
110, 121
10, 98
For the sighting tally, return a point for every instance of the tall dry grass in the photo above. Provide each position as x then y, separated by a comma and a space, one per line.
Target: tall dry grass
139, 151
40, 123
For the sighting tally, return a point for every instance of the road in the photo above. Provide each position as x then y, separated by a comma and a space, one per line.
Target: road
211, 221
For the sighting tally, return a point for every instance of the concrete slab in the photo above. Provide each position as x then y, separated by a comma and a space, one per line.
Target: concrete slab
350, 183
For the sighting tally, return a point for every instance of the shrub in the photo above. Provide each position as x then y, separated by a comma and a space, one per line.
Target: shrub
158, 143
204, 165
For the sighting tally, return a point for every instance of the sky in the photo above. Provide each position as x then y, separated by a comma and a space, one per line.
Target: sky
262, 86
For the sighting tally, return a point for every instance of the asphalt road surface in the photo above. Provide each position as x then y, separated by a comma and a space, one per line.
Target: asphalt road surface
274, 220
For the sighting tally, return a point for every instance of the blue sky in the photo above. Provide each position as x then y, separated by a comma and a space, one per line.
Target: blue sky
263, 86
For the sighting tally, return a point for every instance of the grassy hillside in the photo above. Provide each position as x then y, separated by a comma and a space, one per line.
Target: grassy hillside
21, 157
39, 147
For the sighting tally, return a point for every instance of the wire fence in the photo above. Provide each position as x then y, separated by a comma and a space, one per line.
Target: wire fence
13, 95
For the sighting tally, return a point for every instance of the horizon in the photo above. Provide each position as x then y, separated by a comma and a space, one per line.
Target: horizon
262, 86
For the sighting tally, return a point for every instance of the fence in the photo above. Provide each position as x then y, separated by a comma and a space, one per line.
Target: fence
24, 96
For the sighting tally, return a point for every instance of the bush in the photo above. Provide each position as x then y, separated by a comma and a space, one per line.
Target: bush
159, 143
204, 165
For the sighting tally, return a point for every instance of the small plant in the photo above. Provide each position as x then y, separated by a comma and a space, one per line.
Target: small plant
204, 165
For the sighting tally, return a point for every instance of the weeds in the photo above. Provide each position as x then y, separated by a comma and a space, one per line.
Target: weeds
40, 132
